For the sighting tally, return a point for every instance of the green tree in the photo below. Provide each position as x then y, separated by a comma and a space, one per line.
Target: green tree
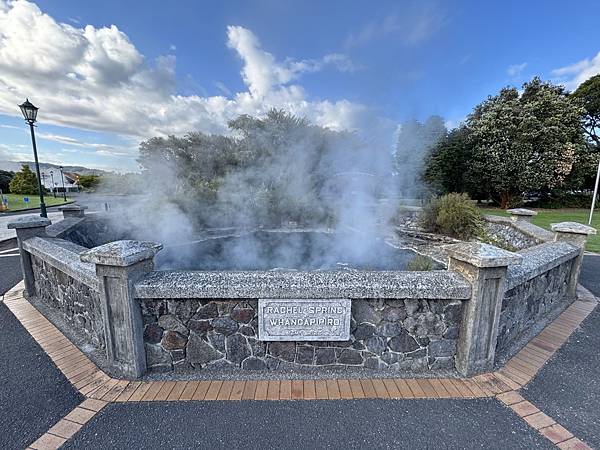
524, 142
89, 181
449, 167
589, 95
415, 144
24, 182
5, 178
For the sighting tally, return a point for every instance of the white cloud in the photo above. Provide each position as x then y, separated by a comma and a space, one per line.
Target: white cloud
95, 79
573, 75
515, 70
410, 27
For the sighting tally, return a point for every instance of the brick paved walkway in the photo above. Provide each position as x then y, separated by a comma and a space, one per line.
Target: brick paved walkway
100, 389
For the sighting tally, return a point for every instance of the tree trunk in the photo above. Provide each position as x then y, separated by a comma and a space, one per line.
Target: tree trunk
504, 196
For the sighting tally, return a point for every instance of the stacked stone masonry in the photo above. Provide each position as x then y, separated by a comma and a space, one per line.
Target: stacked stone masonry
531, 304
396, 335
78, 304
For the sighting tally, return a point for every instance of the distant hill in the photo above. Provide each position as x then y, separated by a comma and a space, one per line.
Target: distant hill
14, 166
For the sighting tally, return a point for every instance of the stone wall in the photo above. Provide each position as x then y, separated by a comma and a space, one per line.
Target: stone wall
78, 304
396, 335
529, 305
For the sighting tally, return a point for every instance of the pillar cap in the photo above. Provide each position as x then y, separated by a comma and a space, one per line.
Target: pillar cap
521, 212
482, 255
72, 207
121, 253
573, 228
30, 221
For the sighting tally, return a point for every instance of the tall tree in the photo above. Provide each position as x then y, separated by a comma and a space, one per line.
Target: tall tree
525, 142
415, 144
5, 178
24, 182
589, 95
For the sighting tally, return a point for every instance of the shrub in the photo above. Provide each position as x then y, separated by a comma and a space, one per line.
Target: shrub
420, 263
452, 215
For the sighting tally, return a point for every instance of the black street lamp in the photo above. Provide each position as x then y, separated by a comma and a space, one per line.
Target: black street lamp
30, 113
53, 185
62, 176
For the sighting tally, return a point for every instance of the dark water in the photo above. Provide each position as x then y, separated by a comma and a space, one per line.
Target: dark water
264, 250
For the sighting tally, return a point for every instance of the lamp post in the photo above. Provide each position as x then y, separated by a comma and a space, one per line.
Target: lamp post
30, 113
53, 185
62, 176
595, 193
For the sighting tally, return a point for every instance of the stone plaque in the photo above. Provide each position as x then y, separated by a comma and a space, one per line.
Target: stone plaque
304, 319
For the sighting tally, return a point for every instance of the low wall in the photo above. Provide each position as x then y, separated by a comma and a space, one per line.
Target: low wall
485, 306
536, 292
67, 285
516, 234
394, 334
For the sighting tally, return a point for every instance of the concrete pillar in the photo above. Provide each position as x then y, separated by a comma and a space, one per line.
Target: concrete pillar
27, 227
72, 211
485, 267
521, 214
575, 234
119, 265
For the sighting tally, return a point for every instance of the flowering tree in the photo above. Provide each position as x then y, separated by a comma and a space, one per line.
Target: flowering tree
525, 141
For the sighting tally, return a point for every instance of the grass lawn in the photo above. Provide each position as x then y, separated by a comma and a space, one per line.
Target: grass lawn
547, 216
15, 202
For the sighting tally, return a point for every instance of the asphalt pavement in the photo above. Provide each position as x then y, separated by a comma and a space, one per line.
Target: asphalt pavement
10, 265
568, 387
34, 394
343, 424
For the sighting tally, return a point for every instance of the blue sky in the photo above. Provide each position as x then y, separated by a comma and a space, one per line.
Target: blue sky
170, 67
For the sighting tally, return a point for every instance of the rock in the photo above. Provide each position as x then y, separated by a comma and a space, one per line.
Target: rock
412, 306
200, 352
207, 312
373, 363
451, 333
177, 356
391, 357
217, 341
350, 357
221, 364
172, 323
152, 333
445, 363
172, 340
253, 363
403, 343
324, 356
258, 347
394, 314
243, 315
225, 308
376, 344
283, 350
363, 331
237, 348
246, 330
272, 363
425, 325
445, 347
200, 326
388, 329
452, 312
224, 325
363, 312
305, 355
157, 356
357, 345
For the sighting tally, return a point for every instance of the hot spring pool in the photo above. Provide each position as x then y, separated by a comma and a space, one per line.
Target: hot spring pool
285, 250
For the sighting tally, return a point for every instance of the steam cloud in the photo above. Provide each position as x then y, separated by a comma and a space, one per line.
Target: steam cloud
308, 178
